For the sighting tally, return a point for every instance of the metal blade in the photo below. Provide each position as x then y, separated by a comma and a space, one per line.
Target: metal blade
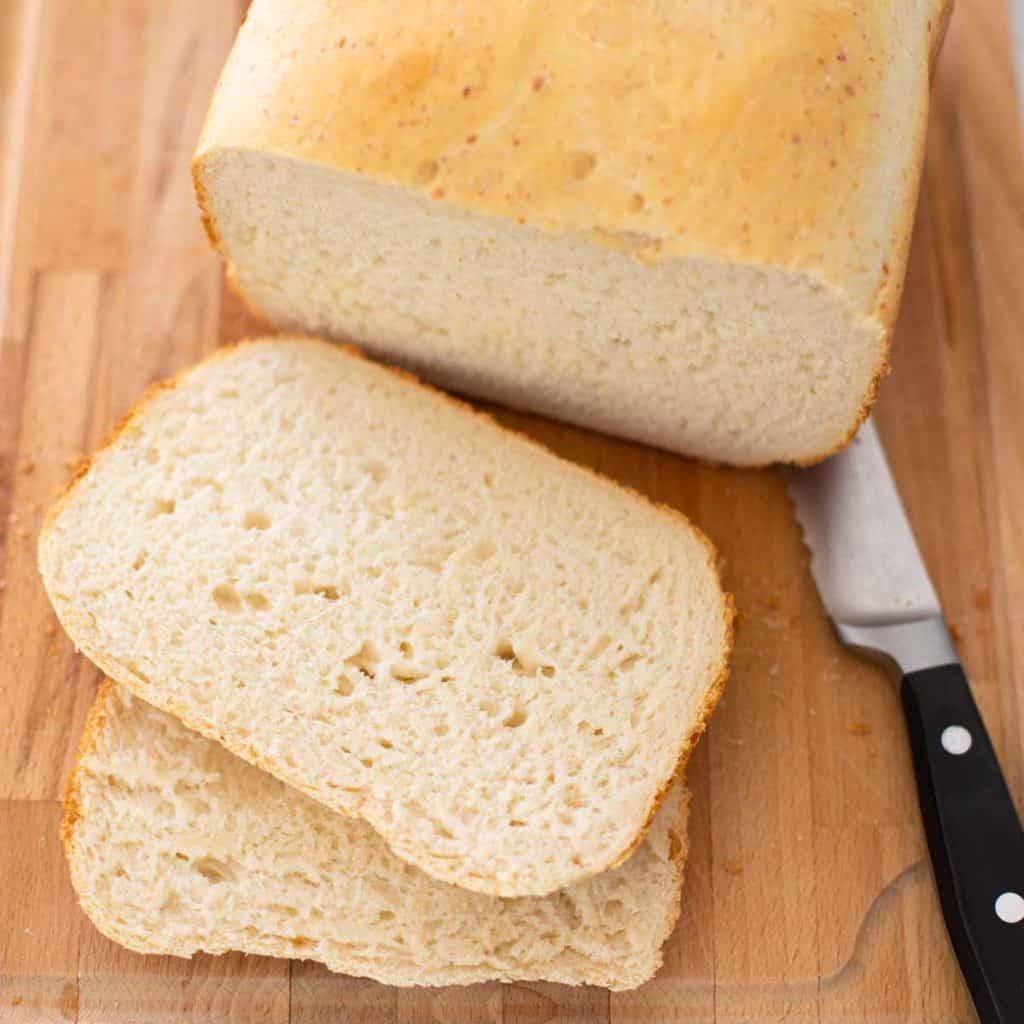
864, 558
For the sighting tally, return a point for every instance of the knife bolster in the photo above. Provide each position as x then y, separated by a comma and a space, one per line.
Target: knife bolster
903, 647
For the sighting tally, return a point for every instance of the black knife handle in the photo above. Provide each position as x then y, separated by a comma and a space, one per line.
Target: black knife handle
974, 838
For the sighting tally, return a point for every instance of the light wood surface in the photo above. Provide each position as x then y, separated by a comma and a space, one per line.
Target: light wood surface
808, 898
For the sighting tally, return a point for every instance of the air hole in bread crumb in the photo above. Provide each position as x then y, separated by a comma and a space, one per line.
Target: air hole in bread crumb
214, 870
301, 942
255, 520
366, 762
572, 797
488, 707
443, 832
614, 907
227, 597
385, 915
440, 729
581, 164
405, 672
515, 719
504, 650
636, 202
425, 172
482, 550
386, 744
344, 687
283, 909
365, 659
257, 601
516, 823
628, 662
140, 561
171, 903
328, 591
161, 507
375, 470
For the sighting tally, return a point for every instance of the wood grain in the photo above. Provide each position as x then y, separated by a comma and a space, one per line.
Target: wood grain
808, 896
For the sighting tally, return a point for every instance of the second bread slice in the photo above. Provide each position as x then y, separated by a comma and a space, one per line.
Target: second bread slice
496, 658
273, 872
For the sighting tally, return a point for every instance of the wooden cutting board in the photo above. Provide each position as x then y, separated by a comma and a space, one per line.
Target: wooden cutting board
808, 898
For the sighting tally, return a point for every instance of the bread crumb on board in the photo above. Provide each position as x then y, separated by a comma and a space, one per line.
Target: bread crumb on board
859, 729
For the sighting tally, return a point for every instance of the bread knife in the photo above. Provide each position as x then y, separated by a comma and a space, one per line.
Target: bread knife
876, 589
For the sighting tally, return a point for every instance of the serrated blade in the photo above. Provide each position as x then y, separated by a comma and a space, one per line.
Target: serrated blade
864, 558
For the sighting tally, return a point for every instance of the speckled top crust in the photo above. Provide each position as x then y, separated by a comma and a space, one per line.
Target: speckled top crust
786, 134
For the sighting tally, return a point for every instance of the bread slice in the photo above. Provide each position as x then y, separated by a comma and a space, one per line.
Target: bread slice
498, 659
176, 846
685, 223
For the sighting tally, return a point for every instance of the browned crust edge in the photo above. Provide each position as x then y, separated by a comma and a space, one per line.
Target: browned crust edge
205, 214
71, 803
127, 678
680, 830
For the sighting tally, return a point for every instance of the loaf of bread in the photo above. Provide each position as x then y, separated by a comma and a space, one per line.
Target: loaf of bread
682, 222
498, 659
175, 846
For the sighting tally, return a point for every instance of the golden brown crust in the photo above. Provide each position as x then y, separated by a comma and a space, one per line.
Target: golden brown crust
205, 213
696, 152
129, 679
679, 832
72, 802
